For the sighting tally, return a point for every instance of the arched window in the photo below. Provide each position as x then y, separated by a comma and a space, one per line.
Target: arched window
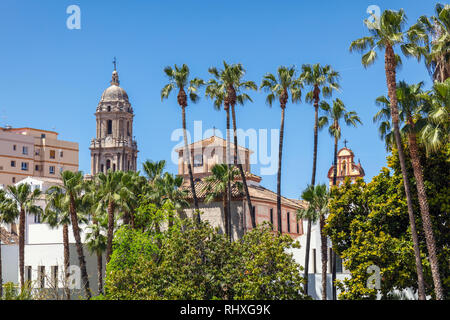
109, 124
108, 164
128, 128
108, 108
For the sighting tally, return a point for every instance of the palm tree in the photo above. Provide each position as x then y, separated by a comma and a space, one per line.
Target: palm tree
179, 79
317, 198
24, 198
280, 86
96, 242
228, 85
57, 214
430, 38
138, 185
336, 113
153, 170
389, 34
410, 102
320, 79
6, 216
73, 187
217, 185
111, 189
170, 189
435, 133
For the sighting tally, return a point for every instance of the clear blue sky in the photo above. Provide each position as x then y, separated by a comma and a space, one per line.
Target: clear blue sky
52, 77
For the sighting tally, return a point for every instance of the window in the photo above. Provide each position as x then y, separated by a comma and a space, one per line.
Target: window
314, 261
24, 150
108, 164
61, 154
128, 129
36, 167
42, 135
13, 179
102, 168
13, 163
37, 152
14, 147
52, 154
109, 125
51, 169
108, 108
28, 273
298, 228
37, 218
41, 276
271, 217
55, 276
288, 222
25, 166
198, 160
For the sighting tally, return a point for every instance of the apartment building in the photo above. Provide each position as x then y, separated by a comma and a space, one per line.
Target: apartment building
28, 152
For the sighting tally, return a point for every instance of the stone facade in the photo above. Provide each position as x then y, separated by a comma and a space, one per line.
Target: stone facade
114, 147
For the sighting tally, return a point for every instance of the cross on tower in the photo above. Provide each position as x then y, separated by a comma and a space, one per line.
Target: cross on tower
345, 142
114, 62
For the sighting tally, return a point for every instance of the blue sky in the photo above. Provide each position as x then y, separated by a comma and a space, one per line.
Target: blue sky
52, 77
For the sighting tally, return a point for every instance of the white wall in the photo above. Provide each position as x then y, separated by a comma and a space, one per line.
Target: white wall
10, 263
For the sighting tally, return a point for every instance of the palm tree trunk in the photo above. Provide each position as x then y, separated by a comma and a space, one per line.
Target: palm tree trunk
187, 154
333, 257
99, 272
313, 182
390, 65
225, 212
280, 155
239, 165
425, 212
22, 247
79, 245
323, 239
228, 156
66, 259
110, 230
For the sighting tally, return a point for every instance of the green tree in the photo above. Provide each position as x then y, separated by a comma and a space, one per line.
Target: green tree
280, 86
179, 79
6, 216
228, 85
24, 199
56, 214
73, 188
334, 114
325, 80
385, 36
410, 102
436, 132
217, 186
112, 189
430, 38
96, 240
318, 198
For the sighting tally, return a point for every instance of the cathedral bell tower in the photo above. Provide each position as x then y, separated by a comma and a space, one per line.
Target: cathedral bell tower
113, 148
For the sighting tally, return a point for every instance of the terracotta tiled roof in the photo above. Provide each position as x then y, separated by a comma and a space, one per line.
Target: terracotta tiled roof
8, 237
256, 192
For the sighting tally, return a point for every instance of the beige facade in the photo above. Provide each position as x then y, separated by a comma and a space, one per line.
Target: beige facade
114, 148
346, 167
208, 152
33, 152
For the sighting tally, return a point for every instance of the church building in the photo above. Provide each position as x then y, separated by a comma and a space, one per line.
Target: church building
114, 147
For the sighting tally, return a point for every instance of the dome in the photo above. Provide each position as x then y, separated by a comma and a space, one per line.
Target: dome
114, 93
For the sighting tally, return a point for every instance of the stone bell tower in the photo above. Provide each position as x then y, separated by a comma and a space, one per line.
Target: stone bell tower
113, 148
